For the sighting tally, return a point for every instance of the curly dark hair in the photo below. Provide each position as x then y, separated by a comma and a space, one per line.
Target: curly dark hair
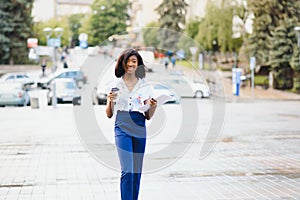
122, 60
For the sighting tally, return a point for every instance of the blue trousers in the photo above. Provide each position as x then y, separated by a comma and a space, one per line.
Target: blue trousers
130, 138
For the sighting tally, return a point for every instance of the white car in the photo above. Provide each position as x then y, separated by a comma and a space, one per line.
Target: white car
159, 90
101, 91
104, 84
13, 94
66, 90
189, 88
148, 58
73, 73
17, 77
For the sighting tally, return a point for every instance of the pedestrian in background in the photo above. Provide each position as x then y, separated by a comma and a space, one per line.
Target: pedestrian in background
166, 61
173, 60
130, 129
43, 65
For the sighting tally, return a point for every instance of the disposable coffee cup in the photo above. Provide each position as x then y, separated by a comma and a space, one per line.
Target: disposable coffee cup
114, 90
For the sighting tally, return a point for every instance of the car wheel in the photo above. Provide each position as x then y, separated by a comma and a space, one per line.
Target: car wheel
50, 101
80, 84
100, 102
95, 100
198, 94
22, 105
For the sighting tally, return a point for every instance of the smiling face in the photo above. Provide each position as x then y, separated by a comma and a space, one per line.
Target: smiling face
131, 65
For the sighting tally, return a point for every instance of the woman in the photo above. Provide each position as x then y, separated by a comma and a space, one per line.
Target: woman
130, 129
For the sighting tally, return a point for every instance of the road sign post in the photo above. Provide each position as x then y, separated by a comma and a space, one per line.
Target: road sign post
252, 68
193, 50
83, 40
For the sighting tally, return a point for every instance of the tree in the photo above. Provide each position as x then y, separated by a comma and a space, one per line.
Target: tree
216, 28
150, 35
295, 64
281, 52
53, 23
192, 27
273, 38
15, 29
108, 18
75, 23
172, 16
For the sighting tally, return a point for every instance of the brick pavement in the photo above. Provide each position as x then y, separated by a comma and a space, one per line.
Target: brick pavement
43, 160
42, 157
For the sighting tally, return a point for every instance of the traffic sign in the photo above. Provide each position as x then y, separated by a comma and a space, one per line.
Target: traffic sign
83, 37
32, 42
54, 42
83, 44
252, 63
44, 50
193, 50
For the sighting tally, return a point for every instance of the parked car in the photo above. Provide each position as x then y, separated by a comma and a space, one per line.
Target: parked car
104, 84
189, 88
74, 74
17, 77
159, 90
66, 89
13, 94
101, 91
148, 58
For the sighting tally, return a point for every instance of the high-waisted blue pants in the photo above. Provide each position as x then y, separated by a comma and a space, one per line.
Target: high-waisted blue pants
130, 138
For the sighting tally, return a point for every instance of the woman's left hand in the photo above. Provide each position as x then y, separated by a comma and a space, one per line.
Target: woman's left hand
152, 102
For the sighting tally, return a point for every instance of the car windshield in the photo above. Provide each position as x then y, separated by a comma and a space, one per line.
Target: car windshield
160, 87
65, 85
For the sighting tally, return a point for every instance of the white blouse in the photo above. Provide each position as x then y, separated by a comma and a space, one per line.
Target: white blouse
132, 101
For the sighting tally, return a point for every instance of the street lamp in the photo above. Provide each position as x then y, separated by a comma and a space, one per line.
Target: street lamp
48, 33
53, 42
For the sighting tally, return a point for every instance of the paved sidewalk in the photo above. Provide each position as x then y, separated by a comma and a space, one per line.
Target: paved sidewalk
42, 158
257, 156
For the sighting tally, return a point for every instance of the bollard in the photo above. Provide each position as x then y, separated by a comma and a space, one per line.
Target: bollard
34, 103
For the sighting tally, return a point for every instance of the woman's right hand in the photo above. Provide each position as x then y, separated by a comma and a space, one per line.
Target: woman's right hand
112, 96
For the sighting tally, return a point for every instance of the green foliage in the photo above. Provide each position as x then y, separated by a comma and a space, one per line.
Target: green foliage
53, 23
75, 23
150, 35
108, 18
215, 30
260, 80
15, 29
172, 16
192, 27
273, 39
295, 63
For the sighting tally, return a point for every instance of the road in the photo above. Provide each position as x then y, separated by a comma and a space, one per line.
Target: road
254, 155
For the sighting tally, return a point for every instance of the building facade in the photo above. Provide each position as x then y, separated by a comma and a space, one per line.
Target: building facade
142, 11
44, 10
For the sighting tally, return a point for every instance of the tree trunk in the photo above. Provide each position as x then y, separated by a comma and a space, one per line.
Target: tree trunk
11, 57
11, 61
296, 81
